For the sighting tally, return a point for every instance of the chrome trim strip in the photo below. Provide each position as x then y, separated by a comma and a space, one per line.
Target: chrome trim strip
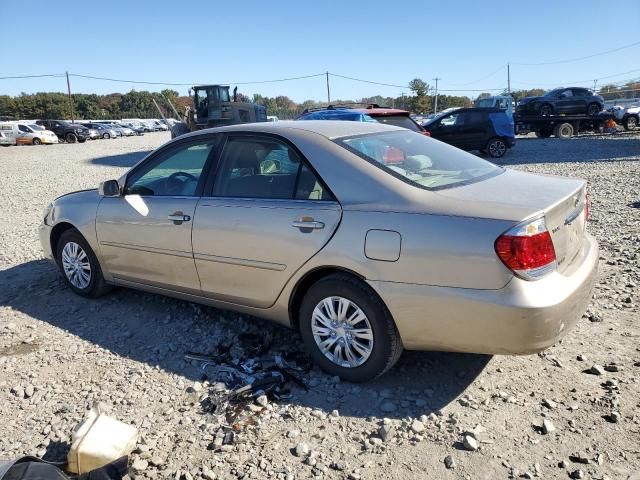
240, 261
160, 251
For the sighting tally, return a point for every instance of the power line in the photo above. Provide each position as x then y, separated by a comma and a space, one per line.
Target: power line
569, 60
33, 76
480, 79
369, 81
119, 80
582, 81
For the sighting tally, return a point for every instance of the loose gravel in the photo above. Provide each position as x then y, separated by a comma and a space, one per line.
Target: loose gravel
569, 412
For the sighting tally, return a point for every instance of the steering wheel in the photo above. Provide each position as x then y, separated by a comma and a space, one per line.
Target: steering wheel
174, 184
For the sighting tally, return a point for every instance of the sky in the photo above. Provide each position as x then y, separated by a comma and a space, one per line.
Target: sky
465, 43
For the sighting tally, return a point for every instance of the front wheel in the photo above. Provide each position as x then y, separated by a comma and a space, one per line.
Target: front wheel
496, 148
546, 110
593, 109
70, 138
348, 330
36, 141
631, 123
80, 266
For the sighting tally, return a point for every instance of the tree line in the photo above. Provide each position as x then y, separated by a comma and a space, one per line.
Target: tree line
139, 104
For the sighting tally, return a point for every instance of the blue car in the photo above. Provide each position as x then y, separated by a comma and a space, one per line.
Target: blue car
347, 114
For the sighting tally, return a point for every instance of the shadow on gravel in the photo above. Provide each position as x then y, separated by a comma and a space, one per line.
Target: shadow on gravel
157, 331
123, 160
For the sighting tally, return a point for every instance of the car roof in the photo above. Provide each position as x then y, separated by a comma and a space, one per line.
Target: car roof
330, 129
383, 111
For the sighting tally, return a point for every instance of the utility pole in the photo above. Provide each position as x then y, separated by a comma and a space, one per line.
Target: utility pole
70, 99
328, 91
435, 103
595, 82
509, 79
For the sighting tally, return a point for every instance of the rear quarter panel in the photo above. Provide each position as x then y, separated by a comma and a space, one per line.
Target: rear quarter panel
435, 249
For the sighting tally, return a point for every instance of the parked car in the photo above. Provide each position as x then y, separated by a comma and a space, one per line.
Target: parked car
94, 133
489, 130
69, 132
574, 100
6, 140
103, 130
31, 134
368, 238
136, 128
628, 116
373, 112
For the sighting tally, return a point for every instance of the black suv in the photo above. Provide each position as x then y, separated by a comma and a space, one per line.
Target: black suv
573, 100
489, 130
66, 131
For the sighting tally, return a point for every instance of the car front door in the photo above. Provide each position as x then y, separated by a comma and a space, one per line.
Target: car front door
145, 234
449, 130
265, 215
581, 97
566, 102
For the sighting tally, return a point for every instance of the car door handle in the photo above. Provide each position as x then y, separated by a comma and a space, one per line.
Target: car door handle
179, 217
307, 224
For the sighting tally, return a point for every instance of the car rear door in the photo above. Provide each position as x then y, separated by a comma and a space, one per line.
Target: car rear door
267, 213
145, 234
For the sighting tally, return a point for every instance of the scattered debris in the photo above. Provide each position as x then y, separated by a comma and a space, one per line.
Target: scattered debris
449, 462
470, 443
548, 427
595, 370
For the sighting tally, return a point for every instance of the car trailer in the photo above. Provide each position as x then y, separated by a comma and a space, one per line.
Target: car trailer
562, 126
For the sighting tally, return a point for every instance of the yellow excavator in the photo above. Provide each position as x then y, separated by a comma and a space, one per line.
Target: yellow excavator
214, 107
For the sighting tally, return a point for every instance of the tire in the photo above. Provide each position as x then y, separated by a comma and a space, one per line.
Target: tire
73, 246
593, 109
384, 347
36, 141
544, 133
546, 109
631, 123
564, 131
496, 148
106, 135
82, 140
70, 138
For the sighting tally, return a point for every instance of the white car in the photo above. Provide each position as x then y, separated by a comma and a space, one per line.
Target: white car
31, 134
5, 140
628, 116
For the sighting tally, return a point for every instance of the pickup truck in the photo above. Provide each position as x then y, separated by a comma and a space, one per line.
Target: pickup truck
66, 131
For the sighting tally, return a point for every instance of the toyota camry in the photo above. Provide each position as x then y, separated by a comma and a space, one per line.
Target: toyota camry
367, 238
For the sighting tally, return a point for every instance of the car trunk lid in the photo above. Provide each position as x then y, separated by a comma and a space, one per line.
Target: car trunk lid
518, 196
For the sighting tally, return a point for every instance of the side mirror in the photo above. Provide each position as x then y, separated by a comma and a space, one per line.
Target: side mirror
110, 188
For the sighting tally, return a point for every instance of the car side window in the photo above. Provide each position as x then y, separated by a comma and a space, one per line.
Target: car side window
24, 129
566, 93
177, 172
580, 92
474, 118
453, 119
257, 167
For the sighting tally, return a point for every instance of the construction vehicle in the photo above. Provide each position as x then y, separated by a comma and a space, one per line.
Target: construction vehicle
213, 107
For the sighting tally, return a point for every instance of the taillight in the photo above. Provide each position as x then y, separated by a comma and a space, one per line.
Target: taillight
586, 207
527, 250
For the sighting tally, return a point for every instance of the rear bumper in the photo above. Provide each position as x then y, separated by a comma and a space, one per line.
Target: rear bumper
521, 318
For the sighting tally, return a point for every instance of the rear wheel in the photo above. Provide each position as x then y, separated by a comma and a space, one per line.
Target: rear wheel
496, 148
70, 138
593, 109
546, 109
348, 330
631, 123
564, 131
36, 141
79, 265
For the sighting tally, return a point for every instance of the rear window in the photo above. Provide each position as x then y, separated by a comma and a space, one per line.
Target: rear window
399, 121
419, 160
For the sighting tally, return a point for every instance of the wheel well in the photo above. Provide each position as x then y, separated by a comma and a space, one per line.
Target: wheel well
56, 233
306, 282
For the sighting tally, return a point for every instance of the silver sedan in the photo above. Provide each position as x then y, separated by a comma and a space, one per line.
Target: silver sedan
367, 238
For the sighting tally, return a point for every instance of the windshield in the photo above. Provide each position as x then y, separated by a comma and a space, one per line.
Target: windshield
420, 160
399, 121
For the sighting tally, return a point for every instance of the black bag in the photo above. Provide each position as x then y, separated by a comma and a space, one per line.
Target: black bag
33, 468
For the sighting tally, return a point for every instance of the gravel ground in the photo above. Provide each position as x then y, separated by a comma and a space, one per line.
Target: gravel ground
436, 415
